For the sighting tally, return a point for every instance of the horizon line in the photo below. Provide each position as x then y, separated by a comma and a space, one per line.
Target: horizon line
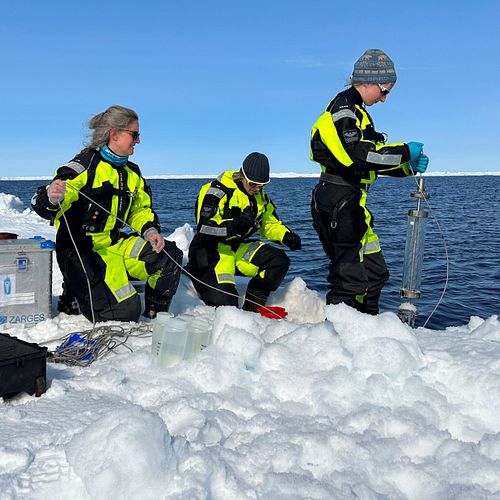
277, 175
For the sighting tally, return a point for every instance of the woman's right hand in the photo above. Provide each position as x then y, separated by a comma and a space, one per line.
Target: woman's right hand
155, 239
415, 149
56, 191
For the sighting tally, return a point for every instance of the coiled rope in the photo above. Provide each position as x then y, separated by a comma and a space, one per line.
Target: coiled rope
84, 347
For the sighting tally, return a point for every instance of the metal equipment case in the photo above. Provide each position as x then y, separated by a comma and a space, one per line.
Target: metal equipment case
25, 281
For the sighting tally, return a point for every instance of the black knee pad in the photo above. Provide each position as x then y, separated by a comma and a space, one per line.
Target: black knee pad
170, 258
173, 252
275, 262
127, 310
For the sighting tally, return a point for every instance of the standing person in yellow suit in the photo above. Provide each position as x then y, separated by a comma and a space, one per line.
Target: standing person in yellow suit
230, 211
352, 154
89, 200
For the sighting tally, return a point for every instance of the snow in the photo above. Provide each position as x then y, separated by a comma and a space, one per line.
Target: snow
351, 406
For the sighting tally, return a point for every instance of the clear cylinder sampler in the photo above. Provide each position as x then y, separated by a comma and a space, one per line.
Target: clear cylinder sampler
414, 255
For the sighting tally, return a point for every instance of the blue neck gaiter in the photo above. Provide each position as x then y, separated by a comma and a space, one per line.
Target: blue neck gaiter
113, 158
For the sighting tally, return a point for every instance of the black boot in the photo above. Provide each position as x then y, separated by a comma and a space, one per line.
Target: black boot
154, 303
255, 297
67, 303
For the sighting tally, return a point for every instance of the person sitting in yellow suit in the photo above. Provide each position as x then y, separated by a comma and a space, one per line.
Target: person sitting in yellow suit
90, 201
229, 212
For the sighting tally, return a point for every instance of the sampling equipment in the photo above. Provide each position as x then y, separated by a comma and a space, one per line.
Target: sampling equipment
414, 256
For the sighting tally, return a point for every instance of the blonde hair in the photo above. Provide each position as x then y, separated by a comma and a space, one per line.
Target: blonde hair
115, 116
238, 176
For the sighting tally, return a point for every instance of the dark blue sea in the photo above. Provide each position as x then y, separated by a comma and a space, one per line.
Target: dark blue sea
464, 217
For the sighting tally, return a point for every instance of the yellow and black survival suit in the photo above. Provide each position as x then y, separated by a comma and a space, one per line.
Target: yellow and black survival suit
111, 256
227, 218
351, 154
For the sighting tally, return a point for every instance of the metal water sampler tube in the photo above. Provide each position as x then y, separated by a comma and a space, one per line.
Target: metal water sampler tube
414, 256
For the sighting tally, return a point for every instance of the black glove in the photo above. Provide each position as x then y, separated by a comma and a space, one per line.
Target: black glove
292, 241
243, 223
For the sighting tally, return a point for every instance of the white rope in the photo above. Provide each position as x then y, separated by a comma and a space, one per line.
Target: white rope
185, 271
84, 347
81, 262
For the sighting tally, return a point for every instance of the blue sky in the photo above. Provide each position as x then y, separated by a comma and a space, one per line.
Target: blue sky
213, 81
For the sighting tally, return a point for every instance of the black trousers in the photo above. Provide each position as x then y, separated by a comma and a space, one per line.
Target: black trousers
99, 302
356, 277
272, 264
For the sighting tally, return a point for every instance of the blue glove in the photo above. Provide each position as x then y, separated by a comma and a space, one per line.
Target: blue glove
415, 151
422, 162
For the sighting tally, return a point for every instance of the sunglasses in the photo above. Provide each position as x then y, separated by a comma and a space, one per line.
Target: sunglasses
383, 90
255, 185
135, 135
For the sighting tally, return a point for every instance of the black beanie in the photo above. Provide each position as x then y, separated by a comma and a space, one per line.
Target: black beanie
255, 168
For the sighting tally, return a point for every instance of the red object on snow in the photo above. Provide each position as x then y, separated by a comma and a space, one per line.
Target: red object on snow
274, 312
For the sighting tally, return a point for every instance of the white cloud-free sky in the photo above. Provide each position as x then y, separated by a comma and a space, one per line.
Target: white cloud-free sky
213, 81
351, 407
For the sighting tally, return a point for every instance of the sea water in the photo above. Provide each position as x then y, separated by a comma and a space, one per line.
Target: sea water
463, 209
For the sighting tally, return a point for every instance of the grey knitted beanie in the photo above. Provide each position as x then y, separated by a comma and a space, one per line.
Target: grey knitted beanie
374, 66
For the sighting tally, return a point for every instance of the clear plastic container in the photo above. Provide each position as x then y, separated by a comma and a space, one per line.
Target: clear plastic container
159, 325
199, 336
175, 339
174, 343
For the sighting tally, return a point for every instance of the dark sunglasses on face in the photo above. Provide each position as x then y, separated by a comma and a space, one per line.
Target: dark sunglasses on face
135, 135
255, 185
382, 89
